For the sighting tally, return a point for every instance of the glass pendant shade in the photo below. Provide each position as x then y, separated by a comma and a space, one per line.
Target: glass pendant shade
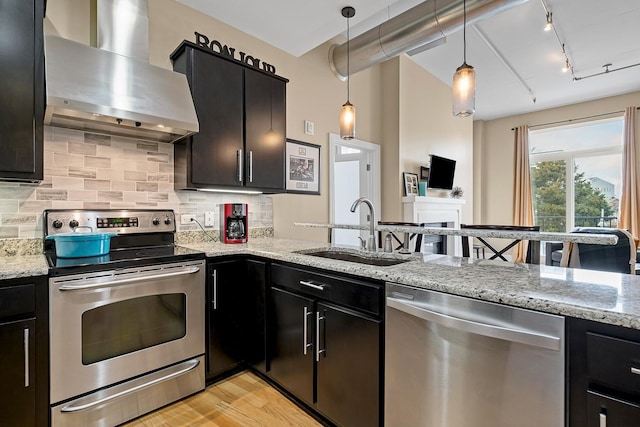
348, 121
464, 91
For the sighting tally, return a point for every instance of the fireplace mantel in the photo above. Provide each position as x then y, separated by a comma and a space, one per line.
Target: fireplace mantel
421, 209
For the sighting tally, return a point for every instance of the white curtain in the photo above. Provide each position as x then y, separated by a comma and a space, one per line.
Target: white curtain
522, 202
630, 199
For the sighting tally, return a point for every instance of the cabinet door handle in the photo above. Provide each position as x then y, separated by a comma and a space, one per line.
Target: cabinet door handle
305, 344
250, 166
635, 370
603, 419
240, 165
312, 285
26, 357
215, 289
318, 350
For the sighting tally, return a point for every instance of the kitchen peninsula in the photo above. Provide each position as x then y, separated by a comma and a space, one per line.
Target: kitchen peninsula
607, 299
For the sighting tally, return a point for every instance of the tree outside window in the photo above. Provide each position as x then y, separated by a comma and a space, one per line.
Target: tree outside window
586, 194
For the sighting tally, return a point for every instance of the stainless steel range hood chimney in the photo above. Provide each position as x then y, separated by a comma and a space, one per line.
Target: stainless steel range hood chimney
113, 89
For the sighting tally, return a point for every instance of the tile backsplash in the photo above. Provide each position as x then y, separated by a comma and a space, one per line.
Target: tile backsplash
89, 171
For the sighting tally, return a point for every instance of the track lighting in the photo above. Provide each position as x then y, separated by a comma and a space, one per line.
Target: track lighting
549, 24
567, 66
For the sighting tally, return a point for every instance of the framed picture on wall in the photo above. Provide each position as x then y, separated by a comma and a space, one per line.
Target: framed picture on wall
410, 183
302, 167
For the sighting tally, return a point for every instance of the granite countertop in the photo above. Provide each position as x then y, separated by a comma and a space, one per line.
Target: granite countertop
593, 295
13, 267
597, 239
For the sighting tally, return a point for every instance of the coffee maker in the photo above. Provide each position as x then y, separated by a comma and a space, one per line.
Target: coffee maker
233, 223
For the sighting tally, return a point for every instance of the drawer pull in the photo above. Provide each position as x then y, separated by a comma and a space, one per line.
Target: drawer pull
603, 420
635, 371
312, 285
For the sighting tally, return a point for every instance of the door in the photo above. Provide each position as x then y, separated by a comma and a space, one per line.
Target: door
354, 170
21, 86
226, 299
291, 354
265, 109
217, 150
17, 385
349, 367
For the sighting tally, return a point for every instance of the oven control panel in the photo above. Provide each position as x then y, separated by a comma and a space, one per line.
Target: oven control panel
58, 221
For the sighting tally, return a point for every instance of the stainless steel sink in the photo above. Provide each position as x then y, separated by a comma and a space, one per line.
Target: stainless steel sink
357, 257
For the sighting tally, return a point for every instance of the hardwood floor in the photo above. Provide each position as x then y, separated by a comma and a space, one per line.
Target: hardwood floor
243, 400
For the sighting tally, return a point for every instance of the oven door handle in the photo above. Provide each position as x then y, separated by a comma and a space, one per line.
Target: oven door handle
137, 278
189, 366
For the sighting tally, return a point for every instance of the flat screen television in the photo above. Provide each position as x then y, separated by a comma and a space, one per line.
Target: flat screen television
441, 173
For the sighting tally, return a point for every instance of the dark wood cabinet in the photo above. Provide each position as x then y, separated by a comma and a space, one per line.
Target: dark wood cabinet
17, 388
235, 321
24, 355
21, 90
610, 412
326, 343
242, 117
292, 351
349, 366
604, 375
265, 130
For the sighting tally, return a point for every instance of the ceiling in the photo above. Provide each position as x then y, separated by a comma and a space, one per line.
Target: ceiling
516, 61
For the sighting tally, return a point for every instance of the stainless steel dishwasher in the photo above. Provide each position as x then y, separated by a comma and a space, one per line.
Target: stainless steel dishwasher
459, 362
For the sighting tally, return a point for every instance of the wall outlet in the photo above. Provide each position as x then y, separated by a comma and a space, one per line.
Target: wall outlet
208, 219
186, 219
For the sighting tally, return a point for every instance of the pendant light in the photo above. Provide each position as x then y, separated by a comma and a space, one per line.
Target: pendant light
464, 80
348, 111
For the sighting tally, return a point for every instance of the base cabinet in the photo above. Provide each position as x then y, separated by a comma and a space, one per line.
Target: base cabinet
24, 352
235, 316
604, 375
292, 352
603, 411
348, 366
17, 387
325, 334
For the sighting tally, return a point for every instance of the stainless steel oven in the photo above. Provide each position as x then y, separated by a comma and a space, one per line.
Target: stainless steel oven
126, 334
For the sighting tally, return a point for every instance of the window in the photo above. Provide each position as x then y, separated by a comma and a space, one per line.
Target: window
576, 174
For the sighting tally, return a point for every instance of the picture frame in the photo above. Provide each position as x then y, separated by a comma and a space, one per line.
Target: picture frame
302, 167
410, 183
424, 173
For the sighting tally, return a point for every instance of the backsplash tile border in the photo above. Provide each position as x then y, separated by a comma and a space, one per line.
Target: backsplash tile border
84, 170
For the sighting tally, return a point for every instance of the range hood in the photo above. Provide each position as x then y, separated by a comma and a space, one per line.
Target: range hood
112, 89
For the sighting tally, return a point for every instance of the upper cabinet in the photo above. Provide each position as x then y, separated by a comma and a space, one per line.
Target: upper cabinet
242, 115
21, 90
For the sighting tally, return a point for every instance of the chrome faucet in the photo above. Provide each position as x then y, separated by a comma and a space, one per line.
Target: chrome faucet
371, 243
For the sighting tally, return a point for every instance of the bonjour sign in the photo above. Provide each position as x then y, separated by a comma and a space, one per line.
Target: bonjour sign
216, 46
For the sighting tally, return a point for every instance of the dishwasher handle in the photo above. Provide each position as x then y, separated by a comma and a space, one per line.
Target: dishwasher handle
504, 333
